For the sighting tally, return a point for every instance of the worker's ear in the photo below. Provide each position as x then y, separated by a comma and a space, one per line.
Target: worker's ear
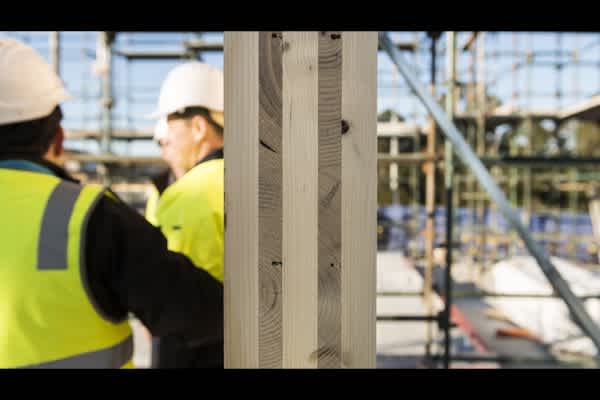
199, 128
56, 149
59, 141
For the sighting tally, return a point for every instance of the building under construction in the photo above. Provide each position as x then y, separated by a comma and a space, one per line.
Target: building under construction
488, 206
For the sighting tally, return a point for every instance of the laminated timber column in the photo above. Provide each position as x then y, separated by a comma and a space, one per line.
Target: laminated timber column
300, 199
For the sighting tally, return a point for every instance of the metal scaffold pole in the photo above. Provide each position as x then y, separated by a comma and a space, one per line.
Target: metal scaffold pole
430, 203
480, 96
449, 172
107, 39
55, 51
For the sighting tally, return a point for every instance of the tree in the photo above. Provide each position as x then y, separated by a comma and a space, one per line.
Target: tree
386, 116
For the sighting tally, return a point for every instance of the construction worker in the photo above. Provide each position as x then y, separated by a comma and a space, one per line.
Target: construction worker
190, 211
162, 180
75, 261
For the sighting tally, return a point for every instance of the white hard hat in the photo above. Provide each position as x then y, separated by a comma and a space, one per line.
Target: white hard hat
188, 85
161, 129
29, 88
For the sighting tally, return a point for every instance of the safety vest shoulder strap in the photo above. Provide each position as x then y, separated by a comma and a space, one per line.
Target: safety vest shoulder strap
53, 239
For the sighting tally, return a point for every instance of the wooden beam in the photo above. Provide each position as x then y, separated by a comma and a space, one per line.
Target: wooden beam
588, 109
153, 54
121, 134
330, 195
241, 199
359, 198
270, 206
308, 300
397, 129
116, 159
300, 198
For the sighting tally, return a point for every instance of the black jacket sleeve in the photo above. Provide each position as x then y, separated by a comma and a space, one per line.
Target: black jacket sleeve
129, 269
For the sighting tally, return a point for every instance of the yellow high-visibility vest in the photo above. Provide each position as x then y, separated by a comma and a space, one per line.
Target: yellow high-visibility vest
151, 205
190, 215
48, 316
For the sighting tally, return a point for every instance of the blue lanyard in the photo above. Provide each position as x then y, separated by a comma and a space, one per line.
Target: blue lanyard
25, 165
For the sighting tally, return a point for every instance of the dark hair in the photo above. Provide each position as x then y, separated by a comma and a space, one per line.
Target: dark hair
30, 137
190, 112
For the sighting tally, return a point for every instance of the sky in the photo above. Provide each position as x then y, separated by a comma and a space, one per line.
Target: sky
136, 83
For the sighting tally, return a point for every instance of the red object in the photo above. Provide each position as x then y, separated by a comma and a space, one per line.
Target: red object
457, 317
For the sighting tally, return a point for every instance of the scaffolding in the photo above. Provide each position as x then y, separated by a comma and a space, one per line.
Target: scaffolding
479, 125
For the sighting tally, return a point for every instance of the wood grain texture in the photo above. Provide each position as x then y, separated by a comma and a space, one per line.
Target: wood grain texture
300, 198
241, 199
269, 194
359, 198
330, 194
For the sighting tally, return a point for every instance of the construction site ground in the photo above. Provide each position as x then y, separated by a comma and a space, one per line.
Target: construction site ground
475, 334
402, 344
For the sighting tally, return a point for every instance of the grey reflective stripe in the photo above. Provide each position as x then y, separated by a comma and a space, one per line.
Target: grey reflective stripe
54, 234
113, 357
